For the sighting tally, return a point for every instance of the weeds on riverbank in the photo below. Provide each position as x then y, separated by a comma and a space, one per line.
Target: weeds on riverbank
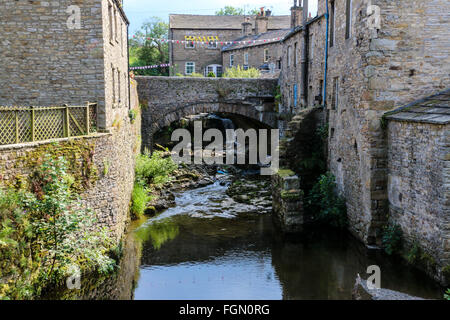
154, 169
447, 295
150, 170
45, 233
325, 204
392, 239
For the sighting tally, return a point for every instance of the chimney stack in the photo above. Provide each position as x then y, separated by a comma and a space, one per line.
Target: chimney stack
296, 15
246, 27
261, 22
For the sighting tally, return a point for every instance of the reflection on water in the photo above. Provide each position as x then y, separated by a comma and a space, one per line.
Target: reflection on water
210, 247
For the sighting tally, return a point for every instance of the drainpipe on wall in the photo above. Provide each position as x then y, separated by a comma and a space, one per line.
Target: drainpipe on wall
128, 62
324, 99
304, 68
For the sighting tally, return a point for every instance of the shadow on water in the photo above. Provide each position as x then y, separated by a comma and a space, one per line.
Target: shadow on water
210, 247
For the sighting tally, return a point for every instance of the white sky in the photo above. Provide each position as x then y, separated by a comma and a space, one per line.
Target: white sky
140, 10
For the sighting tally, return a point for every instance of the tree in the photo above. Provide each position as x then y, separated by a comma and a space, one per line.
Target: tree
145, 52
232, 11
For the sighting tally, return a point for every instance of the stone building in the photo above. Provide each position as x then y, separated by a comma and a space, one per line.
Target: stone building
61, 52
381, 55
203, 54
260, 49
70, 52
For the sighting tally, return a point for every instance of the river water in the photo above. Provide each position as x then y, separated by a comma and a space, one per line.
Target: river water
210, 247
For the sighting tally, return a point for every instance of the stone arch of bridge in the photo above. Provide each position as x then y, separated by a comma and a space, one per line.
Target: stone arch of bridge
269, 119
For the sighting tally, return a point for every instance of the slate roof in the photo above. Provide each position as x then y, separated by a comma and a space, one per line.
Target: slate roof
191, 21
433, 109
269, 36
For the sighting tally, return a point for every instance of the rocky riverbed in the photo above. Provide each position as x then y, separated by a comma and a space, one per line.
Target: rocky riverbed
243, 186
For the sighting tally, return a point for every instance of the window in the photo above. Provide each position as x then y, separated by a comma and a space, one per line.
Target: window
212, 45
110, 16
189, 45
231, 60
246, 58
289, 56
113, 84
295, 54
121, 39
332, 18
348, 21
118, 83
190, 68
335, 97
266, 55
219, 71
115, 26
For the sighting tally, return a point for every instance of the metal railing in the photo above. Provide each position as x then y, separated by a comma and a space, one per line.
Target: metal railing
28, 124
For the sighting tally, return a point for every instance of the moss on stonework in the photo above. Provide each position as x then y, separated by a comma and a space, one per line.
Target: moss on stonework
291, 195
78, 152
286, 173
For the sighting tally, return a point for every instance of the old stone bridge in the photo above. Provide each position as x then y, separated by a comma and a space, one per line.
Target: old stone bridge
168, 99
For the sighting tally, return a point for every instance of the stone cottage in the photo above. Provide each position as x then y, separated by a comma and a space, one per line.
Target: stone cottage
260, 49
203, 54
70, 52
61, 52
381, 55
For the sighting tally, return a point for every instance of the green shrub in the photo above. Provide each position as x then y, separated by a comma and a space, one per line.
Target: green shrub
47, 233
132, 114
239, 72
139, 200
392, 239
324, 203
447, 295
211, 75
154, 169
179, 75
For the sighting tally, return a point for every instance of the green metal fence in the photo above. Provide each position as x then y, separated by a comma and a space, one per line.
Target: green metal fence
28, 124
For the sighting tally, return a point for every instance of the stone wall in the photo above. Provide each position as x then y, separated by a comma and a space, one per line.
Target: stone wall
46, 63
168, 99
200, 54
419, 188
287, 201
102, 164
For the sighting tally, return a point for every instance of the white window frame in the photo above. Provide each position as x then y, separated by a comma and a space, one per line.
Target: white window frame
189, 64
246, 58
266, 55
231, 60
212, 45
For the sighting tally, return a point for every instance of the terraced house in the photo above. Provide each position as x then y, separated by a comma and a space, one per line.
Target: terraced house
203, 54
56, 56
259, 49
390, 164
61, 52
